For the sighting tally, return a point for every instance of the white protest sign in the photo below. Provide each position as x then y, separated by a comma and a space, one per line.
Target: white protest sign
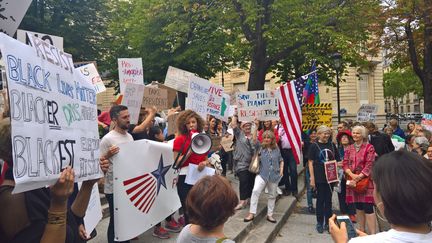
93, 213
262, 105
218, 102
232, 110
156, 97
145, 186
367, 112
130, 71
426, 121
91, 74
11, 14
53, 40
132, 98
53, 115
178, 79
198, 96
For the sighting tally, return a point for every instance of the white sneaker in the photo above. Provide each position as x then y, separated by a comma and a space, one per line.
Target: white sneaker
278, 191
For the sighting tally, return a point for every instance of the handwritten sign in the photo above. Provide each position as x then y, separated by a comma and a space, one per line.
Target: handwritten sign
130, 71
262, 105
227, 143
91, 74
172, 93
178, 79
218, 102
23, 36
155, 97
426, 121
11, 14
132, 98
315, 115
367, 112
198, 96
53, 115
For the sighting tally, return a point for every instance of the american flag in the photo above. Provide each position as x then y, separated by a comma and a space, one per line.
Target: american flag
299, 84
291, 117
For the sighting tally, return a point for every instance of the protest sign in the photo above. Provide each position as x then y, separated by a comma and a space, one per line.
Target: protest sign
155, 97
172, 123
91, 74
227, 143
130, 71
132, 98
315, 115
172, 93
178, 79
367, 112
11, 13
94, 209
23, 36
262, 105
198, 96
232, 110
53, 115
426, 121
145, 186
218, 102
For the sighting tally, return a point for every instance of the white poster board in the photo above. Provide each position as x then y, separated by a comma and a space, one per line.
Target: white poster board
198, 96
53, 115
11, 14
218, 102
145, 186
93, 213
132, 98
262, 105
130, 71
367, 112
53, 40
91, 74
178, 79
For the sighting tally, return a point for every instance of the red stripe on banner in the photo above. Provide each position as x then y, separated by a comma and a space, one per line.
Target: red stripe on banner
147, 190
139, 184
147, 198
151, 204
125, 183
140, 191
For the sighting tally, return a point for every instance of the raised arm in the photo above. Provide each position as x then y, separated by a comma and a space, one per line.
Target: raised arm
147, 122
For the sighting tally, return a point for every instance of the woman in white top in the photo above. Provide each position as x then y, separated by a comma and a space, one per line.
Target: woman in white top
403, 195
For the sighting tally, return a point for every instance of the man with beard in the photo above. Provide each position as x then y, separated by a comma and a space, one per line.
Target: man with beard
108, 147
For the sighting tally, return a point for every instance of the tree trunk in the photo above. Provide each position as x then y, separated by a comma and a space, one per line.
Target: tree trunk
258, 68
427, 92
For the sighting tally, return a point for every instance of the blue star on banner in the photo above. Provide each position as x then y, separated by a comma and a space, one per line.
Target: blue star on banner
159, 174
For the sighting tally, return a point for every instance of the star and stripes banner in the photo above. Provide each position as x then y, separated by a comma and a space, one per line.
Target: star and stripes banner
145, 190
291, 116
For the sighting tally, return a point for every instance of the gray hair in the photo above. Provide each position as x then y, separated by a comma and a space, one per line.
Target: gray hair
363, 131
422, 142
323, 128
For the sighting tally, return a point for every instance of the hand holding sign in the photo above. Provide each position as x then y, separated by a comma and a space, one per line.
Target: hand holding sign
63, 188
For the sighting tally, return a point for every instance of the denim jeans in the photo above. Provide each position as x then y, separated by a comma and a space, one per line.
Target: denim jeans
308, 187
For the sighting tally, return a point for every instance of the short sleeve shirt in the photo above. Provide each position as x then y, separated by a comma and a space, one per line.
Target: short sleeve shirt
320, 153
193, 158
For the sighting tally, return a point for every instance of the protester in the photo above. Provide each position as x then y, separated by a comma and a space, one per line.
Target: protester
270, 172
405, 206
397, 141
425, 133
41, 215
420, 145
409, 141
343, 126
209, 204
311, 139
344, 139
381, 142
410, 128
289, 178
357, 164
267, 126
320, 152
108, 148
429, 152
245, 148
396, 129
188, 123
104, 118
145, 121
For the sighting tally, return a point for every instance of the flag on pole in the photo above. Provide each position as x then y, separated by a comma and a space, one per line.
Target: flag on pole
299, 84
291, 117
311, 91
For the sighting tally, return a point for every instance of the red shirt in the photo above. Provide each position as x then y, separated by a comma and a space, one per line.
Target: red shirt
104, 117
260, 133
193, 158
3, 170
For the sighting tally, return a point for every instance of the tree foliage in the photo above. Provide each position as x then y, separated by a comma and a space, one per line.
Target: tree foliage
398, 83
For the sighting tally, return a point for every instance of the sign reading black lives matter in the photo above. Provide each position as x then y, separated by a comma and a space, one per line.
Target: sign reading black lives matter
53, 115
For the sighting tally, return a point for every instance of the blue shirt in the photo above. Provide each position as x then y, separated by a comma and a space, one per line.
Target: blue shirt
269, 164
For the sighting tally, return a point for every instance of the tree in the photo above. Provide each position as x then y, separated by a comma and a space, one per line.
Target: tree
409, 40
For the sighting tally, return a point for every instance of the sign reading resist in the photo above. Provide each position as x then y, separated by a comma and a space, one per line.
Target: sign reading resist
53, 115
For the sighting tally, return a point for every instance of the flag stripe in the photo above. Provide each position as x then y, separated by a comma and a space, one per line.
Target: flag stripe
147, 208
140, 191
127, 182
147, 198
128, 191
147, 190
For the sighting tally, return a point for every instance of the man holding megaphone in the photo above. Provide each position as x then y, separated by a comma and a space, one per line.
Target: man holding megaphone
190, 147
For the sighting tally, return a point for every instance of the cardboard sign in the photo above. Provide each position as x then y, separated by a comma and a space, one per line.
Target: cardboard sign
227, 143
262, 105
53, 115
198, 96
23, 36
367, 112
172, 93
132, 98
315, 115
172, 123
178, 79
90, 73
145, 187
426, 121
331, 171
130, 71
156, 97
11, 14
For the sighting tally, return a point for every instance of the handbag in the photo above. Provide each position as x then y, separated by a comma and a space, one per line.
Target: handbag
362, 185
255, 164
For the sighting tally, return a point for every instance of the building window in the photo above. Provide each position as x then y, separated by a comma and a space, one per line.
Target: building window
417, 108
239, 87
364, 88
408, 108
401, 109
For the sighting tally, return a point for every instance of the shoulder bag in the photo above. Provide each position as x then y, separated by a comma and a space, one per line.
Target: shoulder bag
255, 163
